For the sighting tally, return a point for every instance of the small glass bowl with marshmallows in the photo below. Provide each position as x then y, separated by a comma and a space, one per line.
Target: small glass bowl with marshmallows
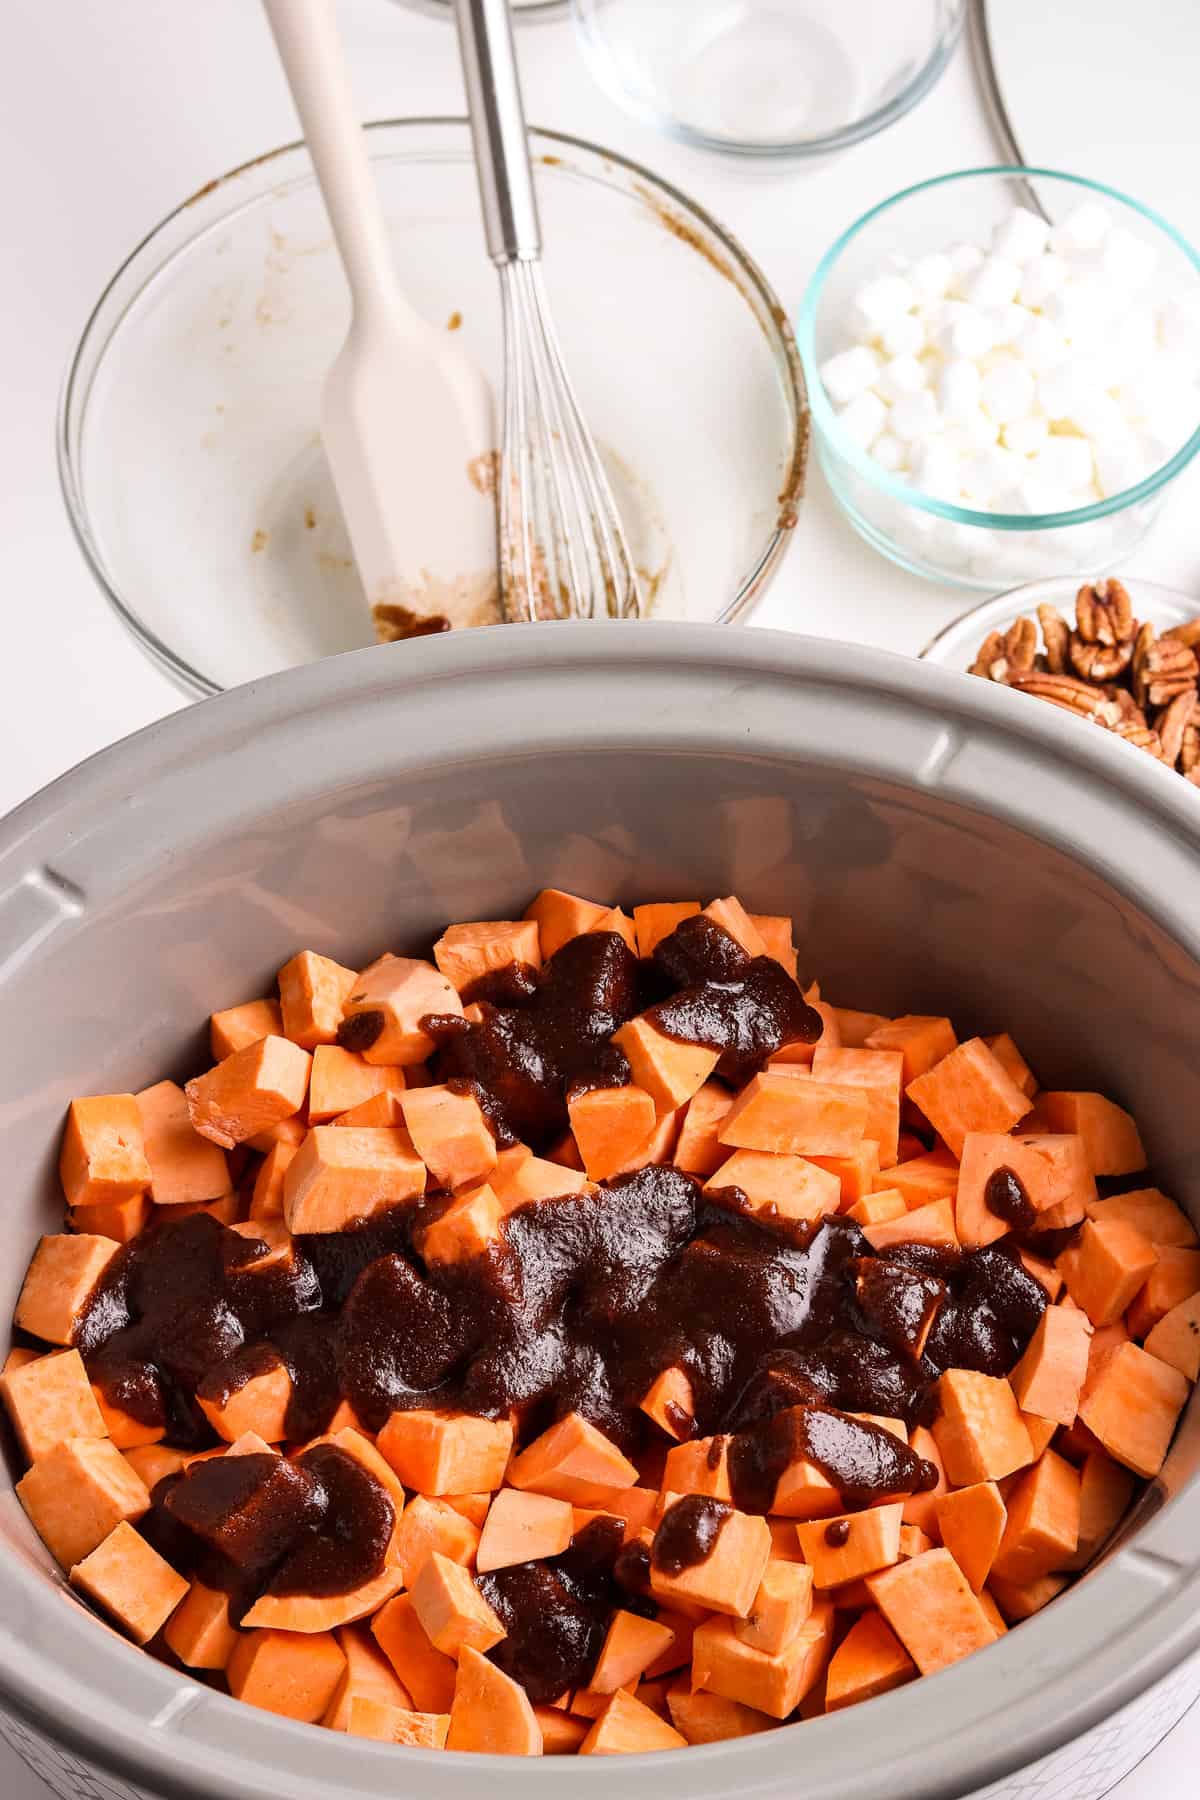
1004, 372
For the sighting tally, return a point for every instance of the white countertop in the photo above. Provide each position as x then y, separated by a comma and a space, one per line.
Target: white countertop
119, 111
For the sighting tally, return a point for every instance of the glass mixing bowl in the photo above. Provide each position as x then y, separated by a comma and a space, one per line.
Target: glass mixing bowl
936, 538
768, 77
189, 450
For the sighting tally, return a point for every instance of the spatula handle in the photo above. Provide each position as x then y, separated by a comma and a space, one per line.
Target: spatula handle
310, 49
510, 214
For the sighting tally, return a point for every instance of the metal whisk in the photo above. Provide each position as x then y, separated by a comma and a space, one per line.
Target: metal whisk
563, 550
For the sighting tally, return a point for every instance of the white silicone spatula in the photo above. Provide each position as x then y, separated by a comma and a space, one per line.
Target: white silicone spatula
406, 417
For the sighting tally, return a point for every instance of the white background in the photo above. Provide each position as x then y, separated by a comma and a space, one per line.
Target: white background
113, 113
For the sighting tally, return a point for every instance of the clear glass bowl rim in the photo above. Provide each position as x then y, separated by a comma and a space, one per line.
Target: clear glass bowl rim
825, 420
964, 634
532, 10
600, 62
74, 396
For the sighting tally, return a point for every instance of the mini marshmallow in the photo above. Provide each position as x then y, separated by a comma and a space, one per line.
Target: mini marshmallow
902, 375
1025, 435
850, 372
1061, 390
863, 419
1179, 322
931, 276
1010, 323
1040, 277
1121, 462
965, 332
1006, 392
1097, 415
890, 453
903, 336
937, 471
972, 432
1065, 463
1043, 346
884, 298
1082, 309
989, 475
1127, 260
914, 417
958, 387
994, 283
1082, 229
964, 260
1021, 236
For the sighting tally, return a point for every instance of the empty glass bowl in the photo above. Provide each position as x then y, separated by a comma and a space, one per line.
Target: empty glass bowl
768, 77
940, 539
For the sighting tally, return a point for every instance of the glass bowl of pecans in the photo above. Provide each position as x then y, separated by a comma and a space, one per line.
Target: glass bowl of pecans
1123, 658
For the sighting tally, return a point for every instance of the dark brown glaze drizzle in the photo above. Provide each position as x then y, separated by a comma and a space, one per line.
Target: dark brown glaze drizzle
863, 1461
745, 1007
837, 1533
1004, 1194
901, 1304
688, 1533
359, 1030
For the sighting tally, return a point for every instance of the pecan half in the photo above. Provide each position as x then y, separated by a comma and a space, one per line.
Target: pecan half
1189, 750
1173, 722
1056, 635
990, 658
1099, 661
1162, 670
1078, 697
1143, 737
1125, 707
1001, 656
1104, 613
1188, 634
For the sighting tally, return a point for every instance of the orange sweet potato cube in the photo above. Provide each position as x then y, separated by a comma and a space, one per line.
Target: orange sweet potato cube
470, 1226
856, 1172
921, 1509
368, 1676
103, 1156
119, 1220
423, 1671
1052, 1172
627, 1727
971, 1523
1176, 1338
854, 1027
931, 1224
388, 1723
653, 923
184, 1167
339, 1175
521, 1528
379, 1111
732, 916
1133, 1408
631, 1645
78, 1493
1105, 1267
1005, 1051
922, 1041
878, 1208
968, 1090
781, 1606
383, 1012
1020, 1600
619, 922
1105, 1491
49, 1399
446, 1452
312, 992
249, 1092
669, 1071
878, 1073
979, 1431
671, 1403
199, 1631
728, 1578
772, 1684
428, 1525
342, 1081
310, 1613
709, 1718
775, 930
151, 1462
452, 1612
259, 1405
560, 916
785, 1187
491, 1712
928, 1603
451, 1135
852, 1545
1155, 1216
286, 1672
131, 1582
1175, 1277
237, 1026
922, 1179
570, 1461
1109, 1134
870, 1660
58, 1284
610, 1126
796, 1116
698, 1149
1042, 1530
527, 1178
266, 1201
466, 953
1049, 1378
698, 1466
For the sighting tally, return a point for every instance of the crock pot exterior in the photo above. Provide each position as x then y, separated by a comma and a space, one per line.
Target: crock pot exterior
942, 843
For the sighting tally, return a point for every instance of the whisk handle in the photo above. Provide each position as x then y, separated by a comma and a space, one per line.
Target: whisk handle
510, 214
